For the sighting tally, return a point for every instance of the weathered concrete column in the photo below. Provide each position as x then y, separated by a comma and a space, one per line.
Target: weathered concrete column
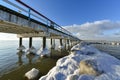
44, 42
68, 41
68, 44
51, 47
61, 44
54, 43
30, 42
51, 42
65, 43
71, 43
20, 41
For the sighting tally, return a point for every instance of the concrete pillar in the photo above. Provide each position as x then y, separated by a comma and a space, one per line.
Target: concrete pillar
51, 42
61, 42
68, 43
51, 47
54, 43
44, 42
20, 41
65, 43
71, 43
30, 42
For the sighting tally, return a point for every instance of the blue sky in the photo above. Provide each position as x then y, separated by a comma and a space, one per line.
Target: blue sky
67, 12
100, 18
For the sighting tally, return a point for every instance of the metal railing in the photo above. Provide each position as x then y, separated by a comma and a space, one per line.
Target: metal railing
34, 18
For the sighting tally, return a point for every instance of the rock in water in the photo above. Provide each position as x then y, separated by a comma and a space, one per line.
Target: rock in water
32, 74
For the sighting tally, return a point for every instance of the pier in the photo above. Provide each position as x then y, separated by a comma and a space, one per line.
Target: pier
30, 23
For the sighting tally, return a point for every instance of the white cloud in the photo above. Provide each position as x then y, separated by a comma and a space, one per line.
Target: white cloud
104, 29
98, 30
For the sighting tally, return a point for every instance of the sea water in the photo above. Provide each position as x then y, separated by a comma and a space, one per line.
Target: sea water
10, 58
113, 50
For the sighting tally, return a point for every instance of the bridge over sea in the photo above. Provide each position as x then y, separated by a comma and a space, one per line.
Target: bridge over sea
27, 22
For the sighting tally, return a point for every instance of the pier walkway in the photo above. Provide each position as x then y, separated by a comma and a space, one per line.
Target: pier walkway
30, 23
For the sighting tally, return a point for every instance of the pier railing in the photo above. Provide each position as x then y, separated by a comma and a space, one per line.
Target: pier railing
29, 17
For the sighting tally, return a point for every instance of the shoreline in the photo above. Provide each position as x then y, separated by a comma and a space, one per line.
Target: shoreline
107, 66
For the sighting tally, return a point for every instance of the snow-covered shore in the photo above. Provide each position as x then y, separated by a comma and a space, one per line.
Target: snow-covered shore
71, 67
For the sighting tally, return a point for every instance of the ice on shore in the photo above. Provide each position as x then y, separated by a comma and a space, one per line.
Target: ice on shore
21, 48
43, 52
60, 47
31, 50
86, 77
68, 67
53, 46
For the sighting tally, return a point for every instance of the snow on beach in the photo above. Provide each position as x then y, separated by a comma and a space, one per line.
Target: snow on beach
85, 63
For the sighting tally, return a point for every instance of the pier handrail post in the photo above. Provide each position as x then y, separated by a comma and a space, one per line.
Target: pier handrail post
29, 14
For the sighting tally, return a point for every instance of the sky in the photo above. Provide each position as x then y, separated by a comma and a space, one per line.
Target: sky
87, 19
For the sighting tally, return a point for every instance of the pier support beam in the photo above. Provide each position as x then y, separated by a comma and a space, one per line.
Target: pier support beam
68, 44
54, 43
51, 42
44, 42
71, 43
65, 43
52, 47
61, 44
30, 42
20, 41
